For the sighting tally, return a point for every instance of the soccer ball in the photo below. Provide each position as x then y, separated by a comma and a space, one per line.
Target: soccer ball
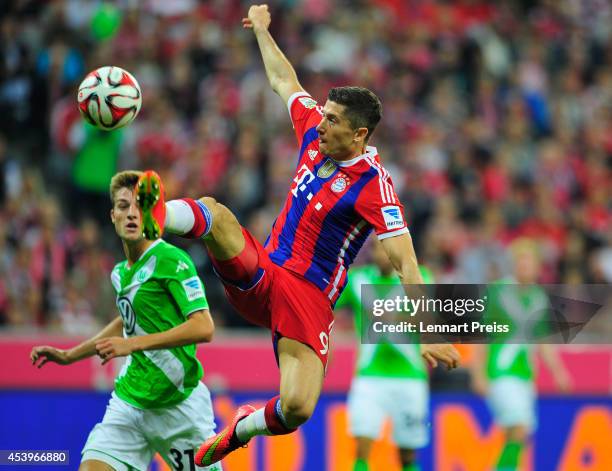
109, 98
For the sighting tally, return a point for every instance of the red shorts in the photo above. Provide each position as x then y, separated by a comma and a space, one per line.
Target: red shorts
279, 299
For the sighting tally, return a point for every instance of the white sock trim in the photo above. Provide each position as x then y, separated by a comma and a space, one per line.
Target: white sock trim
252, 425
179, 217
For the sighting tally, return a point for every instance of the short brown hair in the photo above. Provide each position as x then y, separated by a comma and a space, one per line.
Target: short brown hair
362, 107
525, 246
125, 179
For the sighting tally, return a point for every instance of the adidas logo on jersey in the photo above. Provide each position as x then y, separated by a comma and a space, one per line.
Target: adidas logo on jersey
312, 154
181, 266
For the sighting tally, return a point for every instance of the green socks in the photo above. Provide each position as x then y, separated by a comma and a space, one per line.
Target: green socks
362, 465
510, 455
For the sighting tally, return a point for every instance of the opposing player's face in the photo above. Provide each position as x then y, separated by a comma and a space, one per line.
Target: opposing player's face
126, 216
336, 135
527, 267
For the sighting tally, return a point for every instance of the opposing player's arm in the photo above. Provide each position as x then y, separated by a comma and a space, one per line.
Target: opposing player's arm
198, 327
280, 72
45, 353
555, 365
477, 368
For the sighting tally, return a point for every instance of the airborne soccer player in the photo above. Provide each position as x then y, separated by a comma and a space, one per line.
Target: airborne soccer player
339, 194
159, 403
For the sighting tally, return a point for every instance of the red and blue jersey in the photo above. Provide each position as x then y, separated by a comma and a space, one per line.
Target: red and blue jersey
331, 208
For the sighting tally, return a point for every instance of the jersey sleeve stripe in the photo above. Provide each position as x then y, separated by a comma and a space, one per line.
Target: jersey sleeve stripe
385, 180
386, 235
383, 190
386, 183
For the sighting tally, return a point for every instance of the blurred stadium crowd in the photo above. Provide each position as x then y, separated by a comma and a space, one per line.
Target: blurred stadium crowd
497, 124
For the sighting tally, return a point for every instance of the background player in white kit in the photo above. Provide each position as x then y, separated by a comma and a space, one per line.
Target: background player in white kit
390, 379
159, 404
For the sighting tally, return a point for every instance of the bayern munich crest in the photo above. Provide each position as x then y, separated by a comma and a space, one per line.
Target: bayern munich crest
339, 185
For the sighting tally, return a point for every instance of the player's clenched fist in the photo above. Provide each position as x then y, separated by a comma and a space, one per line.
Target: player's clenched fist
258, 17
442, 352
43, 354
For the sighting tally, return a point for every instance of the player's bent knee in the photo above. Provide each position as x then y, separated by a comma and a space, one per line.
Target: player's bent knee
407, 456
297, 410
518, 433
222, 217
364, 445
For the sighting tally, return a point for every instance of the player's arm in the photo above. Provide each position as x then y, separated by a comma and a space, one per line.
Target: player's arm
198, 328
45, 353
401, 253
554, 363
477, 368
280, 72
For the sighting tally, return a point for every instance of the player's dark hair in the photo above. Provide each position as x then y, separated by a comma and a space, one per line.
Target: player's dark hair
125, 179
363, 108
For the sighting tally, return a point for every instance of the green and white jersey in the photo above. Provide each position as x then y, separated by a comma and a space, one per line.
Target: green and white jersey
521, 307
385, 359
155, 294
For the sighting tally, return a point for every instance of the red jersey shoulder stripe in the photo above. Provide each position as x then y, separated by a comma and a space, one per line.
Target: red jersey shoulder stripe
386, 190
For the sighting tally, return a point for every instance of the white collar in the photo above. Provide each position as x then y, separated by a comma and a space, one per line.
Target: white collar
370, 152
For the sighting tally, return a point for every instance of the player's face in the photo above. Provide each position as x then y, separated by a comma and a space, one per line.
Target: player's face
336, 135
527, 267
126, 216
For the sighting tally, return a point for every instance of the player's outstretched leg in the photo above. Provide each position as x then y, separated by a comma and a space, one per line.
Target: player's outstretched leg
301, 382
219, 446
302, 374
208, 220
204, 219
